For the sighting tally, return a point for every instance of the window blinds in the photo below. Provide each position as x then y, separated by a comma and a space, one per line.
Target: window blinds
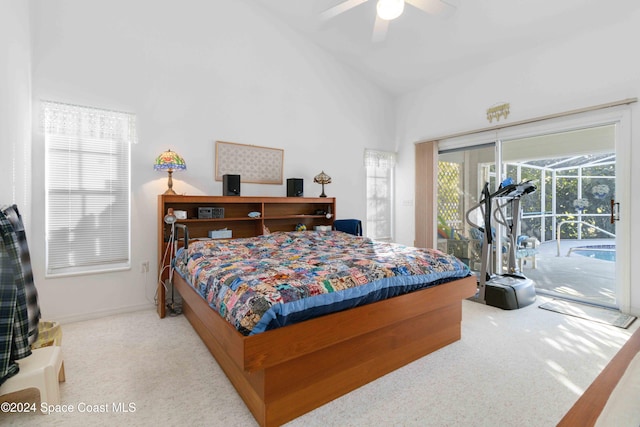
87, 188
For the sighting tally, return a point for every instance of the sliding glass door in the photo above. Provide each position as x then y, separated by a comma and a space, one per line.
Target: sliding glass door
570, 215
568, 239
461, 177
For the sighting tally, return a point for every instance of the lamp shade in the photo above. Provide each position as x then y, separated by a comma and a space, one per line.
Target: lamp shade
169, 160
322, 178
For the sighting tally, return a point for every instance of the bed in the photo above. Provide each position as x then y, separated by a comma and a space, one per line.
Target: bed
612, 398
291, 364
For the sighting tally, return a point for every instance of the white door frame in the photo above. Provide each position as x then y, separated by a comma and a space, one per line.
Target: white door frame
620, 117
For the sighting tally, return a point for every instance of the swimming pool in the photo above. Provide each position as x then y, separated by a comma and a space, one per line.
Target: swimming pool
603, 252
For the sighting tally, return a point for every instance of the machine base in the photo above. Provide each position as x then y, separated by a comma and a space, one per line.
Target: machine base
509, 292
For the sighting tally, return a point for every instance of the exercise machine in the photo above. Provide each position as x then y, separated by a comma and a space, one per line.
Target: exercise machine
511, 289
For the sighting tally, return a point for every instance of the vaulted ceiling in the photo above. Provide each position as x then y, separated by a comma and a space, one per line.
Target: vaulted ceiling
420, 48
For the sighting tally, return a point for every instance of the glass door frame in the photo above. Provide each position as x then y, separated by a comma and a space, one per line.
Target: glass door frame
618, 116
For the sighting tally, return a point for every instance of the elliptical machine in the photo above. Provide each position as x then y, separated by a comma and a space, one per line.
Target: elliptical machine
511, 290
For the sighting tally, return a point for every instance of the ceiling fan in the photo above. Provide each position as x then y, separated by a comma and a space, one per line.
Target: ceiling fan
388, 10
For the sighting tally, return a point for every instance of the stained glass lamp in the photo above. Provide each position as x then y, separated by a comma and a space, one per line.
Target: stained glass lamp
322, 178
169, 161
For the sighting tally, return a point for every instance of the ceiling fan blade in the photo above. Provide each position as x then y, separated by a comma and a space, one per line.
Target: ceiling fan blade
334, 11
380, 30
435, 7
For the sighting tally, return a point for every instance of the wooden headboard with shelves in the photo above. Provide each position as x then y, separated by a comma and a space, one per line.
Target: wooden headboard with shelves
276, 214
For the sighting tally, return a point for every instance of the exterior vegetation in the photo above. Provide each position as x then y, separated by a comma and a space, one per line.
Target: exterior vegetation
575, 190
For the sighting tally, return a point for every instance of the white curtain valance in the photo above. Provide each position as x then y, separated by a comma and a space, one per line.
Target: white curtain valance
75, 120
379, 159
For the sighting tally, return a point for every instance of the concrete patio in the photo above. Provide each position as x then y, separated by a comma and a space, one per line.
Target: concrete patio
577, 277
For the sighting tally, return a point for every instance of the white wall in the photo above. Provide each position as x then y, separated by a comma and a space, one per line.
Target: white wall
201, 71
592, 69
194, 72
15, 106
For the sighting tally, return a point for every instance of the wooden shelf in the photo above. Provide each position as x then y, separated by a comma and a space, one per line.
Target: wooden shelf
276, 214
196, 220
294, 217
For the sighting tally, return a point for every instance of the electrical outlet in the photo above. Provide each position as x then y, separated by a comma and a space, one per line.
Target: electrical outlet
144, 267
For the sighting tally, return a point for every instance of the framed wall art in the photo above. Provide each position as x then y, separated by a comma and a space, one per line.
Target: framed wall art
254, 164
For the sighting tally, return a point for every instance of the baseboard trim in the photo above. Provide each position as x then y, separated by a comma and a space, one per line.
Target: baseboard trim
103, 313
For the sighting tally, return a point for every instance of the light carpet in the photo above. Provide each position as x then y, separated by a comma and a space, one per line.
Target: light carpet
511, 368
590, 312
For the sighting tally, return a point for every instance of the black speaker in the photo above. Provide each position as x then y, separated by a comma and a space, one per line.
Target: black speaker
230, 185
294, 187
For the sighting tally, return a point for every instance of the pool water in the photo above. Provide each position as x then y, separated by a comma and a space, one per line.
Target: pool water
603, 252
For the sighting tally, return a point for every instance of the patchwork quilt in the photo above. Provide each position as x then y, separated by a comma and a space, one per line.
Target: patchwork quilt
274, 280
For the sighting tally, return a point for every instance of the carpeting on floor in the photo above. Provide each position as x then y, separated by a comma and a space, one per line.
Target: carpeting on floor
520, 368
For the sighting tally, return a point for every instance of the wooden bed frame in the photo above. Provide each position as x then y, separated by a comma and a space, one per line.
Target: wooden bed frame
284, 373
589, 406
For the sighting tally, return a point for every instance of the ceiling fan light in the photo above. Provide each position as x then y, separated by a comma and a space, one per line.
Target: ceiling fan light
390, 9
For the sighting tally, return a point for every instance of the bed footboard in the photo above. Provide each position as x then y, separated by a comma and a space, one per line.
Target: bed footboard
284, 373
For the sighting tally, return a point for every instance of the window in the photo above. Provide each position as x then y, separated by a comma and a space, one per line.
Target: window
87, 170
379, 165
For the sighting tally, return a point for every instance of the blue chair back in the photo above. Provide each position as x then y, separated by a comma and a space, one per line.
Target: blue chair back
351, 226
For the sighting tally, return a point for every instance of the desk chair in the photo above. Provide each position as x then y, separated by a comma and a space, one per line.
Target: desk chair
351, 226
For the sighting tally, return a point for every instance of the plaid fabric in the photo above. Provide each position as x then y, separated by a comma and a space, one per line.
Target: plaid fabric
31, 294
8, 367
14, 314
